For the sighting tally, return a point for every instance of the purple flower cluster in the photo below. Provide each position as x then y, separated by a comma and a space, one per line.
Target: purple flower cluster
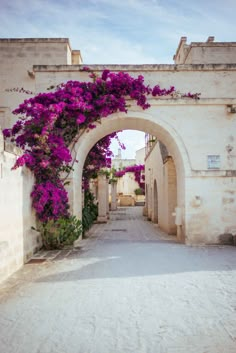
50, 201
26, 159
157, 91
98, 157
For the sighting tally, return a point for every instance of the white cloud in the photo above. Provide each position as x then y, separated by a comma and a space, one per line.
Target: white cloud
124, 31
120, 31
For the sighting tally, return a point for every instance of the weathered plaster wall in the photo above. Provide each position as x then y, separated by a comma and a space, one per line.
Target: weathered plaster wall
213, 53
208, 52
212, 81
211, 208
17, 240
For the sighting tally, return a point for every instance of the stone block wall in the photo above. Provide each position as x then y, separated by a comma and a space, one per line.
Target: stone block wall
17, 57
208, 52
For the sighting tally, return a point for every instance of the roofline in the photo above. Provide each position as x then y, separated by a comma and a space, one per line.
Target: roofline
36, 40
183, 40
130, 68
212, 44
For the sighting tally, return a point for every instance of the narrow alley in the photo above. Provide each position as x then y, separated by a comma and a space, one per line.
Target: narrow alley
127, 288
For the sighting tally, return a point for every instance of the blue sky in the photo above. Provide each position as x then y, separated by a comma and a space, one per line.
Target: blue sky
121, 31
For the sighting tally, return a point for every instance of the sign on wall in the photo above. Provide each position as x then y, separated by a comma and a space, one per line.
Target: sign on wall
213, 162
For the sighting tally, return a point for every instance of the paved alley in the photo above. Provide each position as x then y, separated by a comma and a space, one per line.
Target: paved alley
127, 288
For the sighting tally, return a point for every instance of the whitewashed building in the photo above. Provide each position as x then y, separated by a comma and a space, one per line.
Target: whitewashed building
197, 178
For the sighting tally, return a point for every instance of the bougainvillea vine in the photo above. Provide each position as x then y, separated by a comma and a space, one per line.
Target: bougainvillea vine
100, 156
49, 124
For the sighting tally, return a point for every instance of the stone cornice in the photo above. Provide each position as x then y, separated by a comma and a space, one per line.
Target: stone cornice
35, 40
133, 68
189, 101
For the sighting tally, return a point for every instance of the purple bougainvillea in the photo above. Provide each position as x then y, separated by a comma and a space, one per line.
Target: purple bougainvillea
50, 201
99, 157
49, 124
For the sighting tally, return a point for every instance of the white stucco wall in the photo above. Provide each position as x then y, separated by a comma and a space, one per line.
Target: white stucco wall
127, 184
17, 240
159, 207
211, 208
140, 155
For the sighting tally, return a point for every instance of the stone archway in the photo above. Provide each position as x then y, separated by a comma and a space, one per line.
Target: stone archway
135, 121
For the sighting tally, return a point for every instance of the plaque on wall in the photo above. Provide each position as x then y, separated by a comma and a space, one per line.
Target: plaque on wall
213, 162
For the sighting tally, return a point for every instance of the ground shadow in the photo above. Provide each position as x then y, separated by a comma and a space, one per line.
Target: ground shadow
121, 259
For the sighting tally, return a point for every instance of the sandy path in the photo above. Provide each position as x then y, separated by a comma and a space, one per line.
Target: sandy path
128, 290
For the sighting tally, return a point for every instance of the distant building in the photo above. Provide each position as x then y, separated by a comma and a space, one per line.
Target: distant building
140, 156
208, 52
127, 185
120, 163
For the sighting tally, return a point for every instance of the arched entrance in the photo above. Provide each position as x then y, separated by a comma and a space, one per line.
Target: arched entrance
134, 121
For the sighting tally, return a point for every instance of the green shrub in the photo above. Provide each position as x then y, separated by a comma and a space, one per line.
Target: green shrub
57, 234
139, 191
90, 211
